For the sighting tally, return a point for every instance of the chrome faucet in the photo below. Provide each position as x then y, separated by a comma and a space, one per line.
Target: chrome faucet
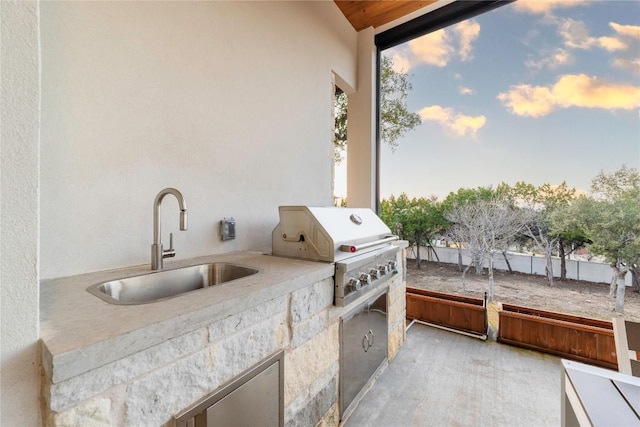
158, 254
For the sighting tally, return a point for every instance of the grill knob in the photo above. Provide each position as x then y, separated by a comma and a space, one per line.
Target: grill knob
365, 278
393, 267
383, 269
374, 273
353, 285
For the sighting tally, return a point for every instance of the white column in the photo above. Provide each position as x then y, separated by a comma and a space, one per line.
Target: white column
361, 131
19, 213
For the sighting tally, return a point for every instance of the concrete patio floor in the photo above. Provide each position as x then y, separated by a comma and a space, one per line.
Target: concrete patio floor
440, 378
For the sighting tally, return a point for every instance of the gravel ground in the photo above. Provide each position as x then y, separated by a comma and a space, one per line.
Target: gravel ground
580, 298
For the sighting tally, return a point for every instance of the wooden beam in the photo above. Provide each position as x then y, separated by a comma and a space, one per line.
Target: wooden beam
364, 14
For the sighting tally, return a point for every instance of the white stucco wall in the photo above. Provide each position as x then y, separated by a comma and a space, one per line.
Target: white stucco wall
230, 102
19, 289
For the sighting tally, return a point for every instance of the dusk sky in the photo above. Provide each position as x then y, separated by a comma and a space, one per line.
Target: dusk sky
535, 91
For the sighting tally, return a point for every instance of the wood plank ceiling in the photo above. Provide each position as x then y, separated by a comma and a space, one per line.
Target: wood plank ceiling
364, 14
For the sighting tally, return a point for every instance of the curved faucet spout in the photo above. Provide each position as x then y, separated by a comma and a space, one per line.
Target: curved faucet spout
157, 252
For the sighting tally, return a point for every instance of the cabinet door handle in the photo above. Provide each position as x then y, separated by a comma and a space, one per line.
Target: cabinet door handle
365, 343
371, 340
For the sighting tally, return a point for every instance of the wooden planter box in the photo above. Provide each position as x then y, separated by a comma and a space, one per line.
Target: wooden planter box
452, 311
579, 338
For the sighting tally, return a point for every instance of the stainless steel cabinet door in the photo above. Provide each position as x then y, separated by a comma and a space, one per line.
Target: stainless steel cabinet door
378, 333
255, 398
363, 347
255, 403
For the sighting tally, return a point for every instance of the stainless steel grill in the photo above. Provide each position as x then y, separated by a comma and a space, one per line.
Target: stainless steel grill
355, 239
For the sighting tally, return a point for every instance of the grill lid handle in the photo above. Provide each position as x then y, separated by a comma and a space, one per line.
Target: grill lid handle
356, 248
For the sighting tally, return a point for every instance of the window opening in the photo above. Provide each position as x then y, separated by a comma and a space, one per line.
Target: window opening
339, 114
541, 96
533, 91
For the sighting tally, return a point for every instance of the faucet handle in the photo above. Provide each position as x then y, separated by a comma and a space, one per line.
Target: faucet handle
170, 241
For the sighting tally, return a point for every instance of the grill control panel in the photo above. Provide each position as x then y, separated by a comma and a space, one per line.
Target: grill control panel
360, 274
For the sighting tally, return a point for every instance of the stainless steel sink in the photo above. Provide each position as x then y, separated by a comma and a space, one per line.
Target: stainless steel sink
165, 284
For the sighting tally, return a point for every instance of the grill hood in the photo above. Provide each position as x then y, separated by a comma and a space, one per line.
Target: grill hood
328, 233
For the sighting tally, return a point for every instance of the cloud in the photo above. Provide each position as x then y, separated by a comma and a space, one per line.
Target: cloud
463, 125
611, 43
576, 36
467, 32
572, 90
433, 48
436, 113
552, 60
624, 44
525, 100
545, 7
463, 90
439, 47
591, 92
457, 123
399, 63
631, 65
629, 59
632, 31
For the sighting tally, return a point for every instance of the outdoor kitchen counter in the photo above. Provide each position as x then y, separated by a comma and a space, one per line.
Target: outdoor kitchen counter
81, 332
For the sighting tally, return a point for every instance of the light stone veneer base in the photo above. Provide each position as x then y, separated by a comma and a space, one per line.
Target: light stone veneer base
397, 337
331, 418
305, 364
96, 412
397, 317
150, 386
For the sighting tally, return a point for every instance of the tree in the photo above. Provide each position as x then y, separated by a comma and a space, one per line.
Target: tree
395, 118
615, 185
485, 228
427, 222
466, 231
340, 125
571, 234
460, 198
541, 202
394, 211
611, 218
418, 220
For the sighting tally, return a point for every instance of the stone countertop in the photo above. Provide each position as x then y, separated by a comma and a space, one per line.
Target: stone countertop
81, 332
